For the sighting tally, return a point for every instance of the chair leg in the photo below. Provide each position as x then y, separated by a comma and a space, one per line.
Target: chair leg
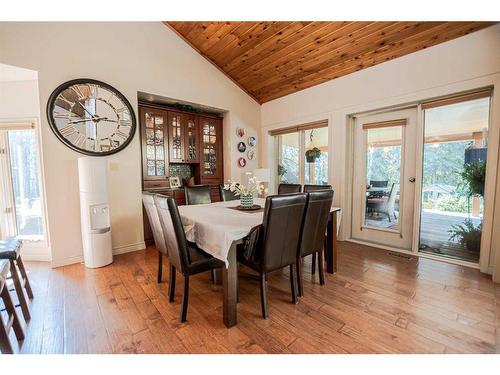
160, 267
263, 295
5, 345
299, 277
321, 268
11, 311
24, 275
171, 284
313, 269
293, 286
19, 291
213, 276
185, 298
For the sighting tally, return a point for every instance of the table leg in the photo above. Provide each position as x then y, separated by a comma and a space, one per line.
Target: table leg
230, 286
331, 244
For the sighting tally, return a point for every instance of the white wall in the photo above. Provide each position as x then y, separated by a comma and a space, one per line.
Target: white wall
466, 63
132, 57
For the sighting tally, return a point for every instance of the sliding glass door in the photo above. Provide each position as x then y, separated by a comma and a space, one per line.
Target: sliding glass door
303, 156
439, 210
453, 178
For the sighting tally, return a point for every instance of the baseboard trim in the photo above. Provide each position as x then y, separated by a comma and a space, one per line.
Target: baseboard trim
67, 261
116, 251
129, 248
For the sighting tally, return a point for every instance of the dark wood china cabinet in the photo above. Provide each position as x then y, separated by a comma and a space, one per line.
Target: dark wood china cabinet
173, 141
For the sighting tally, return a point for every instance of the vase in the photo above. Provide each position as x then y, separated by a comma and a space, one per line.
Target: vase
246, 201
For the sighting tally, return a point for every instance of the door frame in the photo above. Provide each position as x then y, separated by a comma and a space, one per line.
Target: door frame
404, 234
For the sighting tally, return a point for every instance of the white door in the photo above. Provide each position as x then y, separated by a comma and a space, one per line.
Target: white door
384, 178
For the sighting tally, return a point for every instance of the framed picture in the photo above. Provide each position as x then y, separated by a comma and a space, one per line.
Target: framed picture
252, 141
251, 154
242, 147
242, 162
174, 182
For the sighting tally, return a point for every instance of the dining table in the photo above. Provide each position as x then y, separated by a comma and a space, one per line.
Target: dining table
219, 227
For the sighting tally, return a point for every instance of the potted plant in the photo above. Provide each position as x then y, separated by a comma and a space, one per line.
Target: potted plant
473, 177
312, 154
467, 234
245, 193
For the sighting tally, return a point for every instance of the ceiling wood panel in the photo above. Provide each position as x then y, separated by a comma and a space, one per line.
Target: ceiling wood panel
273, 59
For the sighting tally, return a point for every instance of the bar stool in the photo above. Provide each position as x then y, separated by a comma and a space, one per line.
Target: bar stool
12, 319
11, 250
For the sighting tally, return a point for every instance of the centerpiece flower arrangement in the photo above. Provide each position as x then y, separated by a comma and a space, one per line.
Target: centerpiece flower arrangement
246, 193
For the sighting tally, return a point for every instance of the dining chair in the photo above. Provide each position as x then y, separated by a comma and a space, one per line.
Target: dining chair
227, 195
12, 320
273, 244
185, 257
289, 188
198, 194
308, 188
312, 241
384, 204
154, 220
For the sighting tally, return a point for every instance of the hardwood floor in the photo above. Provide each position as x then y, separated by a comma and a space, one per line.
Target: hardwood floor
376, 303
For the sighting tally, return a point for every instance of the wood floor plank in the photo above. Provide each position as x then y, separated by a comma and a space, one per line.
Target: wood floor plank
376, 303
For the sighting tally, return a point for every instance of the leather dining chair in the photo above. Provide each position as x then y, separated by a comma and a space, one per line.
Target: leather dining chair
289, 188
226, 194
308, 188
185, 257
273, 244
154, 220
312, 241
198, 194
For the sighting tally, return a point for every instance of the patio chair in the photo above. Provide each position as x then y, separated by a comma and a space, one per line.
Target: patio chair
384, 204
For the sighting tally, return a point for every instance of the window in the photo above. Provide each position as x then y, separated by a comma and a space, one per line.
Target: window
302, 154
21, 208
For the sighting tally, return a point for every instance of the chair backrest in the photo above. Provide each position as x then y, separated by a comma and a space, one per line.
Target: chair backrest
226, 194
308, 188
319, 204
375, 183
154, 221
289, 188
198, 194
282, 225
173, 231
392, 197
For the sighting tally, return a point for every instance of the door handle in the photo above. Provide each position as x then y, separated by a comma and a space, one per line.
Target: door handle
411, 179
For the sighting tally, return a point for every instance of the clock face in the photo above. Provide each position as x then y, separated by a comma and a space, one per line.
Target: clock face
91, 117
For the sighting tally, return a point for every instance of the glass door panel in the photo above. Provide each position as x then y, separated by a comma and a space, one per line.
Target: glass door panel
176, 137
209, 147
383, 178
155, 143
454, 166
316, 156
289, 160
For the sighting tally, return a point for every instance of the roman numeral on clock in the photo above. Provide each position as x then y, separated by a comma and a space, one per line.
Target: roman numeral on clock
68, 130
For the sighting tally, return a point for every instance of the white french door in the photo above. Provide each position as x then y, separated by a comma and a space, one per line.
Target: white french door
384, 168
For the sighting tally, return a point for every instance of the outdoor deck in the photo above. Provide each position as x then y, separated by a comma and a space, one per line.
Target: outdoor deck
434, 229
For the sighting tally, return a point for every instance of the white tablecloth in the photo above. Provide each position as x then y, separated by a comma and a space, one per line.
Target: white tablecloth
214, 227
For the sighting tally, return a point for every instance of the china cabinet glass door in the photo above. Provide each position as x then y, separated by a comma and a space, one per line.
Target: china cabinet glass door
176, 137
155, 143
209, 148
191, 139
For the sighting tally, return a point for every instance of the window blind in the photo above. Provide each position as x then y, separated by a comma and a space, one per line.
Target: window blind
298, 128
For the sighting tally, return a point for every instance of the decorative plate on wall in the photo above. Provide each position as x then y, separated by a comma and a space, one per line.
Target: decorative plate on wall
252, 141
240, 132
242, 162
251, 154
242, 147
91, 117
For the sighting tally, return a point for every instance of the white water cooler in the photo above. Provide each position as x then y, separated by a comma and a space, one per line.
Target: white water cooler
94, 209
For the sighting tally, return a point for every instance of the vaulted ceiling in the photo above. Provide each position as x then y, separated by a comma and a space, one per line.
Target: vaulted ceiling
273, 59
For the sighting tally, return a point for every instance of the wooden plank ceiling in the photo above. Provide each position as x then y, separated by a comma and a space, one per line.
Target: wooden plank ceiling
273, 59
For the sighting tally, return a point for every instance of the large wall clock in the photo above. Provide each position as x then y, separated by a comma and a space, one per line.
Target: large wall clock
91, 117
